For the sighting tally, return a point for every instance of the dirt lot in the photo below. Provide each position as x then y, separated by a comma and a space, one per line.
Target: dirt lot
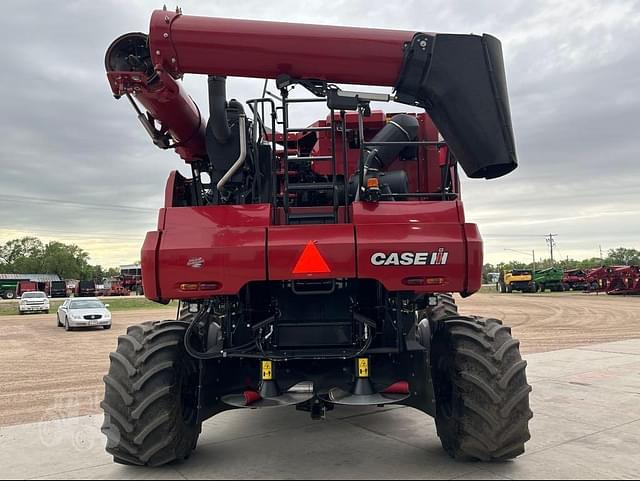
48, 373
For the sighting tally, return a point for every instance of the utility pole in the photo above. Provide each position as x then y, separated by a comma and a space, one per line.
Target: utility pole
552, 243
601, 257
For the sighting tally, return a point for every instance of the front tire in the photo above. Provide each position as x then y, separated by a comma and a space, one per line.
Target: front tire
482, 394
150, 399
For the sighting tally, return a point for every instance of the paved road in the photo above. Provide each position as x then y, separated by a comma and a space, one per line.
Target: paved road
586, 426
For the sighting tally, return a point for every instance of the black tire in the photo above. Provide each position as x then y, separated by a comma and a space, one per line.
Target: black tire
482, 394
106, 328
150, 400
445, 308
58, 320
66, 325
9, 295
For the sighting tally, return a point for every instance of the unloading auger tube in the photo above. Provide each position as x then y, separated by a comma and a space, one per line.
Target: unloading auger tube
459, 79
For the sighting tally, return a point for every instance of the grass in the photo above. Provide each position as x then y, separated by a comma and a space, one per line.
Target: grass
115, 304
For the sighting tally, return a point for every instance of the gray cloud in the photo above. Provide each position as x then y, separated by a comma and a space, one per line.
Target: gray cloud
573, 75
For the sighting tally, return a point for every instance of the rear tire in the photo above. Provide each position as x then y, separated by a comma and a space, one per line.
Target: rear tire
150, 400
9, 295
445, 308
482, 394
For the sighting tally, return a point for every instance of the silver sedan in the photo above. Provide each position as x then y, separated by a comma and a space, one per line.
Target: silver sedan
84, 312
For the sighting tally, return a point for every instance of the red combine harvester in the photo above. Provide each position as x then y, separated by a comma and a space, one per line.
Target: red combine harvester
314, 265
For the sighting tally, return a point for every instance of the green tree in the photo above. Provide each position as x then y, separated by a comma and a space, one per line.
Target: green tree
112, 272
22, 256
623, 256
65, 260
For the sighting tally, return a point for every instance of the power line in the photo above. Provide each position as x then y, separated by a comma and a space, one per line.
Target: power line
57, 202
68, 234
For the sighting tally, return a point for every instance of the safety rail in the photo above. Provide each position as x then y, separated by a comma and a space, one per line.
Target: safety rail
337, 125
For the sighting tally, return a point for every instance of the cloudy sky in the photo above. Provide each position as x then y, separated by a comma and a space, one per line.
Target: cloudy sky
76, 166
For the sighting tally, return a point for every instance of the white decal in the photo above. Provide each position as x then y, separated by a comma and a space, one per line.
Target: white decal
196, 262
438, 258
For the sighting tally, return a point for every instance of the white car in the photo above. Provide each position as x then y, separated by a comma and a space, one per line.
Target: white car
84, 312
34, 302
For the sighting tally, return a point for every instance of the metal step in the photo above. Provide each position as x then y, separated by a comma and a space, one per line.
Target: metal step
310, 159
311, 187
312, 218
308, 129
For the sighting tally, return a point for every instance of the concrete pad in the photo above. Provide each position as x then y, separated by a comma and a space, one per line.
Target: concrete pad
559, 364
618, 379
587, 405
482, 475
333, 448
606, 455
405, 425
35, 450
586, 425
621, 347
114, 471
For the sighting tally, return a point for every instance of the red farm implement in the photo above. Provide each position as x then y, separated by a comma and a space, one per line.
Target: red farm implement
615, 280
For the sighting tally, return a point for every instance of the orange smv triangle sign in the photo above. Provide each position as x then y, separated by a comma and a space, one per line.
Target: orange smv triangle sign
311, 261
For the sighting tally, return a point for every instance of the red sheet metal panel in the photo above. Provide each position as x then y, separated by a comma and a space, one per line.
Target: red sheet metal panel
394, 254
288, 245
224, 245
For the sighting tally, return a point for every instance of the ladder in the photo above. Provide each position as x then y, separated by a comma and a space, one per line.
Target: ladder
323, 216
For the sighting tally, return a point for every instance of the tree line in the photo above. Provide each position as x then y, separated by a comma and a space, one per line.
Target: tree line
29, 255
621, 256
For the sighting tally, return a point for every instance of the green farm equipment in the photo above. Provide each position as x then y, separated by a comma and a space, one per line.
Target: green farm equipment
550, 279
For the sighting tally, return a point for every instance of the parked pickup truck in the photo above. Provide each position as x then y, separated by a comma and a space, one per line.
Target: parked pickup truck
34, 302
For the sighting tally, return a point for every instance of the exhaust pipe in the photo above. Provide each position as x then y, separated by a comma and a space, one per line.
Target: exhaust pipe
218, 108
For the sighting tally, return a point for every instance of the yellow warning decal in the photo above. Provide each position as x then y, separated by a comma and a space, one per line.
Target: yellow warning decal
363, 367
267, 371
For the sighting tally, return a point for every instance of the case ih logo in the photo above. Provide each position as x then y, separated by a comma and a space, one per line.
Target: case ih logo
196, 262
438, 258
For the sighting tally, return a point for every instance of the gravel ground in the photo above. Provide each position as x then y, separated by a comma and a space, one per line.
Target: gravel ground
48, 373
